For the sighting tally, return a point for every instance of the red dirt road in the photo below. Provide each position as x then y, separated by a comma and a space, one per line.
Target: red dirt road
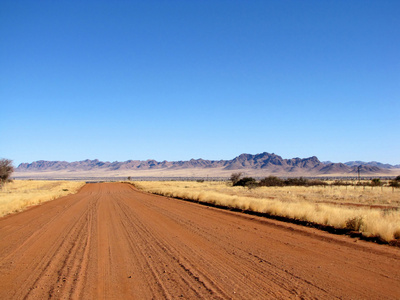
110, 241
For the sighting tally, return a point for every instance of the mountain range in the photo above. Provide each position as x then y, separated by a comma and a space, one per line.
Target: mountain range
268, 162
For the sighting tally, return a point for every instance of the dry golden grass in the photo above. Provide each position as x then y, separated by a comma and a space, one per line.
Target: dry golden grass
20, 194
321, 205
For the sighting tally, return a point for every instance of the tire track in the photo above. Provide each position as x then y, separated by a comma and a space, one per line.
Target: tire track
151, 245
228, 268
62, 263
183, 258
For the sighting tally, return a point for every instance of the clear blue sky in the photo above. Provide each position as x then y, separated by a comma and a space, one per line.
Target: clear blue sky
175, 80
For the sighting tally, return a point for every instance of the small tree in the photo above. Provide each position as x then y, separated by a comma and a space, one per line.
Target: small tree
235, 177
376, 182
394, 183
6, 169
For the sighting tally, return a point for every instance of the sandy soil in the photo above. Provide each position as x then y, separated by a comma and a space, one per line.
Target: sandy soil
110, 241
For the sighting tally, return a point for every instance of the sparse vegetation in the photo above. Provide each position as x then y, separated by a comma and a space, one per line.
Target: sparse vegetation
301, 181
274, 181
373, 212
20, 194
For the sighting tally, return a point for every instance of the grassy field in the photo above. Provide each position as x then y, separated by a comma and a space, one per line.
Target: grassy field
20, 194
373, 211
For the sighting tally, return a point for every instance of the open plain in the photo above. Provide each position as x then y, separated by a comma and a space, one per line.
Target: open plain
110, 241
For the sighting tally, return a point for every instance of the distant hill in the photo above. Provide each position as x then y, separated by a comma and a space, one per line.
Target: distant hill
372, 164
268, 162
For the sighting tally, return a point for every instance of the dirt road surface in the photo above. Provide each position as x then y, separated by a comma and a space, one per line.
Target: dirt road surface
110, 241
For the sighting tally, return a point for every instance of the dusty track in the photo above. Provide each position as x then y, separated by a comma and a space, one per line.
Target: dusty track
112, 242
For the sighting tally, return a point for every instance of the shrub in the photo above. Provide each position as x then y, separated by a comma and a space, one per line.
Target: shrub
376, 182
235, 177
394, 183
316, 182
249, 182
340, 183
271, 181
296, 181
275, 181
